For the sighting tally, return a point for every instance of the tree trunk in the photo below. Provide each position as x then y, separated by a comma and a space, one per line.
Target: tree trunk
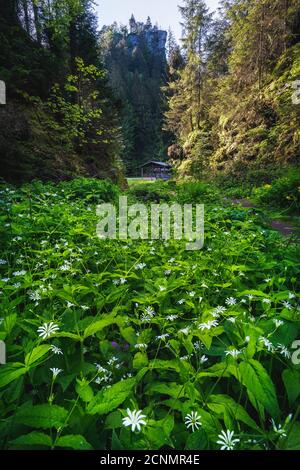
37, 23
26, 16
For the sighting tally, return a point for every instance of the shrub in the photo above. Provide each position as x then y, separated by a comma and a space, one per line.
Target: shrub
285, 192
154, 192
197, 192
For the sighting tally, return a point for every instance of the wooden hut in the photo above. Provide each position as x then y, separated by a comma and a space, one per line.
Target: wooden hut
157, 170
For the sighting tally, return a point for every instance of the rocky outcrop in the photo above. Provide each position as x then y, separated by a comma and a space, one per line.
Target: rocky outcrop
155, 40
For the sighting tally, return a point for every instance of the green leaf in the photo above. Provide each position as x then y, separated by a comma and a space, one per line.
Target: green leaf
36, 354
10, 372
292, 442
171, 389
129, 335
140, 360
210, 424
291, 380
66, 334
84, 390
258, 382
100, 325
256, 293
115, 442
158, 432
34, 438
221, 369
197, 440
113, 420
42, 416
76, 442
9, 322
231, 411
163, 364
109, 399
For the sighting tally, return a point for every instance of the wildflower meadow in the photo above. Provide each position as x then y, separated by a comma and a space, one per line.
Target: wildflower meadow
142, 344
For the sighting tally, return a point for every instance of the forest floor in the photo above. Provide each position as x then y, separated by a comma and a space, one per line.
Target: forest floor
98, 331
286, 226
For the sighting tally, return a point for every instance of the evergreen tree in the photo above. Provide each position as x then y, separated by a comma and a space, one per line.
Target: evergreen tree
229, 106
137, 71
44, 44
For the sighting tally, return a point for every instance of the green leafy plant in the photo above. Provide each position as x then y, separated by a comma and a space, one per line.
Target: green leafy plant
120, 345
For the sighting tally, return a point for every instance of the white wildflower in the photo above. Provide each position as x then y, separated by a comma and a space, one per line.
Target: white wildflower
141, 346
55, 350
162, 337
171, 317
65, 267
219, 310
34, 295
19, 273
140, 266
55, 372
230, 301
283, 350
193, 420
270, 347
233, 353
287, 305
232, 319
184, 358
135, 419
47, 330
227, 441
147, 316
208, 325
184, 331
278, 429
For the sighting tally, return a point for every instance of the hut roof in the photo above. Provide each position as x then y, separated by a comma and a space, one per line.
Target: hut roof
162, 164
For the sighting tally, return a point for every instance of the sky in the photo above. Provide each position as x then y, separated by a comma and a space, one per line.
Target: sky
165, 12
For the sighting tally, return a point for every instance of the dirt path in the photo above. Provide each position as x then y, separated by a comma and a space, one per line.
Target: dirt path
285, 228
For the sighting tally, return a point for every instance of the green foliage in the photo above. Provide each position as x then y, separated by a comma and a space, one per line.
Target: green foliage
137, 65
284, 192
230, 106
42, 416
154, 192
135, 329
61, 119
196, 192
